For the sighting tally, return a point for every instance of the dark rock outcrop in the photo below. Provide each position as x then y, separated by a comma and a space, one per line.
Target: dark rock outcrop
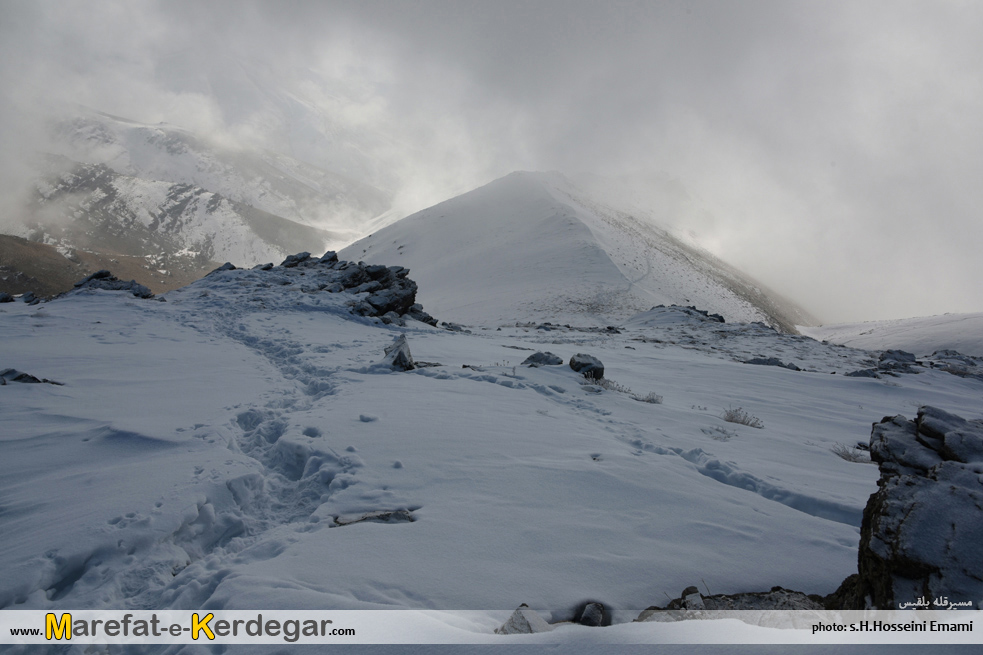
590, 366
107, 281
13, 375
6, 297
542, 359
772, 361
593, 615
922, 531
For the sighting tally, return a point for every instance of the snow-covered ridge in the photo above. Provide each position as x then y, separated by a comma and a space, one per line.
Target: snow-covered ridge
530, 246
922, 336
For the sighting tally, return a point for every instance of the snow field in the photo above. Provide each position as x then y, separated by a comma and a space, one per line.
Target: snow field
219, 450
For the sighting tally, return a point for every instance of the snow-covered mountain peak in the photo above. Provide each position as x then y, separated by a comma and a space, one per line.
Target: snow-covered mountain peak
533, 246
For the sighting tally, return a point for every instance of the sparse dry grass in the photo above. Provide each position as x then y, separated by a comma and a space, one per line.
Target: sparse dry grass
738, 415
851, 454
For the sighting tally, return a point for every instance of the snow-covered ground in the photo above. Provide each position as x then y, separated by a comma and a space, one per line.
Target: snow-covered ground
921, 336
218, 450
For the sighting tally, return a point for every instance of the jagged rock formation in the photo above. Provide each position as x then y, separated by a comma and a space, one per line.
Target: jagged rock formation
922, 532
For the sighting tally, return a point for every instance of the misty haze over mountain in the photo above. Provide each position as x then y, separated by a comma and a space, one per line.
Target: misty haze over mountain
830, 151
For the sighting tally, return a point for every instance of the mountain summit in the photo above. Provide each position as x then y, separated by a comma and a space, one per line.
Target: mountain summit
533, 247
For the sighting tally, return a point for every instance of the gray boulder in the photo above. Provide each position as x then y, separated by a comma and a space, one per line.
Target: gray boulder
398, 355
293, 260
542, 359
524, 621
6, 297
922, 531
593, 615
590, 366
227, 266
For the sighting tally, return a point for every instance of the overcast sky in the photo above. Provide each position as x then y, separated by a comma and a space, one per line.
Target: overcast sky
836, 146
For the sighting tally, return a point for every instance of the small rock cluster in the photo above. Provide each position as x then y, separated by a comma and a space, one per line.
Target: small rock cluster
922, 531
890, 362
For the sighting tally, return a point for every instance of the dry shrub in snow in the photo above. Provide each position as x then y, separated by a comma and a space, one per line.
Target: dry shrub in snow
851, 454
738, 415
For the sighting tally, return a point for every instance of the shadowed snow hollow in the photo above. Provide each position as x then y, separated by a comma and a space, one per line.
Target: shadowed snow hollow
530, 246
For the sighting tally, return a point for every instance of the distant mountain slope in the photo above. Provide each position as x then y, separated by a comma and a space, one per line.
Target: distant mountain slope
921, 336
530, 246
93, 208
272, 182
46, 271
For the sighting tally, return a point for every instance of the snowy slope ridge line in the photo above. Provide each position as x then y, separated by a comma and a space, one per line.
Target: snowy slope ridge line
269, 461
531, 247
922, 335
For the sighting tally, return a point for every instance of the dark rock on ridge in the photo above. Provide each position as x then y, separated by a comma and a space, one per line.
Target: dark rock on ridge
107, 281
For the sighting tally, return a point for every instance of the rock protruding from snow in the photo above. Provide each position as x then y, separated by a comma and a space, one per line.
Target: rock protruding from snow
691, 600
542, 359
524, 621
13, 375
107, 281
593, 615
922, 532
398, 355
772, 361
590, 366
6, 297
